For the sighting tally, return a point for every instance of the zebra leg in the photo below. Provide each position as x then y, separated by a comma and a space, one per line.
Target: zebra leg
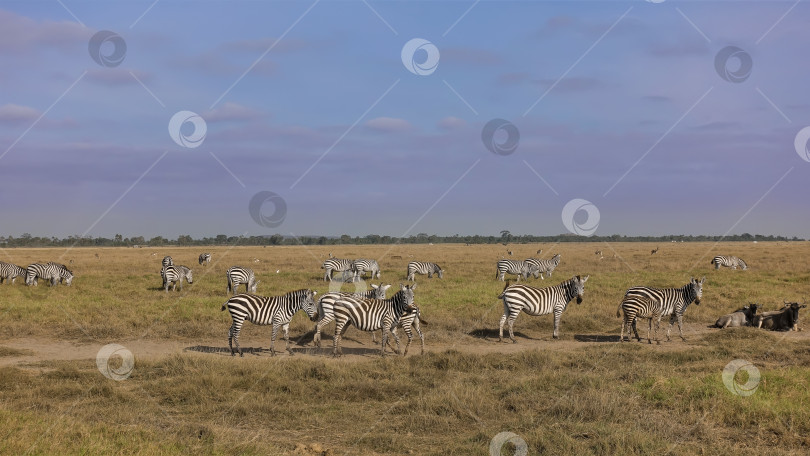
680, 328
316, 340
657, 326
286, 329
635, 328
421, 336
273, 335
500, 330
340, 329
409, 333
649, 330
230, 339
671, 322
557, 317
374, 337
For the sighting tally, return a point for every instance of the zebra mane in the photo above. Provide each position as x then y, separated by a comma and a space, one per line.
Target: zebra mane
301, 292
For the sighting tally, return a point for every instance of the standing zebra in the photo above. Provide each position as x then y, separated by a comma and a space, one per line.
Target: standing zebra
360, 266
273, 310
644, 301
238, 275
419, 267
544, 266
336, 265
49, 271
408, 321
521, 268
326, 306
539, 301
371, 315
729, 262
174, 275
167, 261
205, 258
10, 271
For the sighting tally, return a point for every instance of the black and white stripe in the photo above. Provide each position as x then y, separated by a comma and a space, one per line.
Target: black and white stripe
273, 310
9, 271
544, 266
174, 275
361, 265
336, 265
728, 262
639, 302
167, 261
520, 268
407, 322
372, 315
65, 274
420, 267
238, 275
54, 272
539, 301
205, 258
326, 306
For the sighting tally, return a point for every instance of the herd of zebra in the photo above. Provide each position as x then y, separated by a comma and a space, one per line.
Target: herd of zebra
56, 273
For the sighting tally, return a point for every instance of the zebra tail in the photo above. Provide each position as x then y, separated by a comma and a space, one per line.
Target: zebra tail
500, 296
619, 310
224, 306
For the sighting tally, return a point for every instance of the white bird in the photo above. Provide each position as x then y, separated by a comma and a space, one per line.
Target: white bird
278, 270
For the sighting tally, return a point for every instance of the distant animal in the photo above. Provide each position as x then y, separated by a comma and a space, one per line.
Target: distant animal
97, 256
205, 258
654, 251
174, 275
256, 260
10, 271
238, 275
740, 317
335, 265
517, 267
326, 304
509, 252
273, 310
71, 261
539, 251
785, 319
539, 301
544, 266
598, 253
422, 268
361, 265
167, 261
673, 302
728, 262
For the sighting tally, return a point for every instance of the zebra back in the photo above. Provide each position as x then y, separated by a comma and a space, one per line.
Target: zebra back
238, 275
673, 300
276, 310
42, 271
541, 301
369, 314
326, 302
11, 271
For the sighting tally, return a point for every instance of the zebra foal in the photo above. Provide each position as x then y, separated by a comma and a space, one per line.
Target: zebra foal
728, 262
420, 267
174, 275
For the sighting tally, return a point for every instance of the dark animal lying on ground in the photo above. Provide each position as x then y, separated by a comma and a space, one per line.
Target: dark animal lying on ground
785, 319
740, 317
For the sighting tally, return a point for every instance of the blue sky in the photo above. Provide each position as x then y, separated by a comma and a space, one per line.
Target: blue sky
616, 103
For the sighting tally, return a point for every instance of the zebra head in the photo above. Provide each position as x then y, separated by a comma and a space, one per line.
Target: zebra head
695, 289
67, 277
406, 294
189, 277
309, 305
379, 291
742, 264
579, 287
438, 270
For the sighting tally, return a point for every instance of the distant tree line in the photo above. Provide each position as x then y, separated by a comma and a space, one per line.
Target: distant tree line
505, 237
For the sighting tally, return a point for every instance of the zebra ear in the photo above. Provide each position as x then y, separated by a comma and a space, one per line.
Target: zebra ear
385, 287
585, 279
374, 286
413, 287
702, 280
314, 293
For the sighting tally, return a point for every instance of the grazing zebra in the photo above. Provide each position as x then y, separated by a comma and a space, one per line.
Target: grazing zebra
336, 265
539, 301
639, 302
174, 275
10, 271
65, 275
544, 266
238, 275
371, 315
273, 310
360, 266
50, 271
521, 268
729, 262
167, 261
205, 258
419, 267
408, 321
326, 306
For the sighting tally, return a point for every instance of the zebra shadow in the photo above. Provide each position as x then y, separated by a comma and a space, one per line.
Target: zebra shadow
328, 351
225, 350
490, 333
596, 338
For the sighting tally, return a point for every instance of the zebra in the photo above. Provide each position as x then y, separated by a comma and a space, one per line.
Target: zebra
539, 301
371, 315
65, 274
729, 262
521, 268
238, 275
419, 267
409, 320
326, 306
336, 265
174, 275
273, 310
360, 266
205, 258
10, 271
672, 301
544, 266
49, 271
167, 261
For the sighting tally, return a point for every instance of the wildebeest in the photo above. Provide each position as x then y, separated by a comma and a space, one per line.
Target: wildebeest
740, 317
785, 319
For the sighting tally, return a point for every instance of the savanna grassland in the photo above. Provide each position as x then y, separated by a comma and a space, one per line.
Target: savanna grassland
582, 394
